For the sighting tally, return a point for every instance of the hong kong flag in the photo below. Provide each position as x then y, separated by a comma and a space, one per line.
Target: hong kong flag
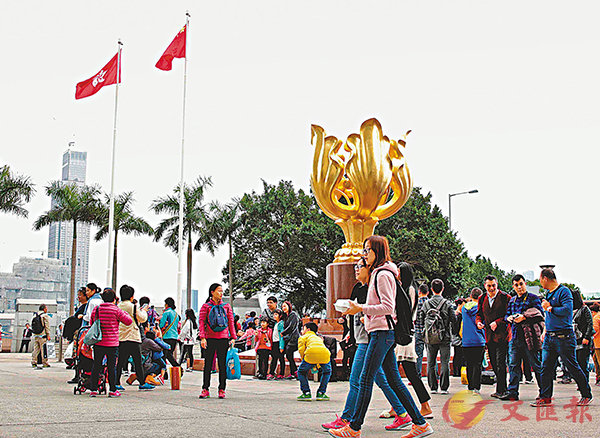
106, 76
175, 50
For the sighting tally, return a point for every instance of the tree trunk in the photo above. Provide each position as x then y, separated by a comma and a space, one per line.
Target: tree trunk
73, 266
230, 274
189, 274
114, 266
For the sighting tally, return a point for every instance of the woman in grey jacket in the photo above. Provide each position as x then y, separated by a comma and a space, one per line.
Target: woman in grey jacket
290, 333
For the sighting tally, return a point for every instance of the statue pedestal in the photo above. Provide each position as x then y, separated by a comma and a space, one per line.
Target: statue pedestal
340, 280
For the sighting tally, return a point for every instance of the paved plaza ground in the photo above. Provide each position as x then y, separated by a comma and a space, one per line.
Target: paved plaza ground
41, 403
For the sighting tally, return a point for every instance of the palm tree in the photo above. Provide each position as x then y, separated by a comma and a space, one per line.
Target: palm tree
222, 227
125, 222
195, 220
71, 202
15, 190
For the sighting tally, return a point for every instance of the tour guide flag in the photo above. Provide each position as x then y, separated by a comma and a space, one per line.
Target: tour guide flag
106, 76
175, 50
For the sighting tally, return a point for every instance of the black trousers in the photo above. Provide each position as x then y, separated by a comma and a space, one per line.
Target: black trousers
347, 359
457, 361
187, 351
277, 356
263, 361
289, 354
414, 377
220, 346
24, 343
497, 352
111, 364
527, 368
127, 349
474, 359
169, 354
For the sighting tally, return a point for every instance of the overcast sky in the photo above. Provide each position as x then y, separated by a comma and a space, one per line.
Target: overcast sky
500, 96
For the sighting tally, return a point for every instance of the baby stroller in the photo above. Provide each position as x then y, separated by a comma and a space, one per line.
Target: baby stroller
85, 361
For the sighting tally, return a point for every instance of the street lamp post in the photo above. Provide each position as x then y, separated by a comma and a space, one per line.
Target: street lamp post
450, 204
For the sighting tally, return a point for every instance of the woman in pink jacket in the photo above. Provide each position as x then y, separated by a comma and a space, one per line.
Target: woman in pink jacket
110, 316
380, 317
216, 331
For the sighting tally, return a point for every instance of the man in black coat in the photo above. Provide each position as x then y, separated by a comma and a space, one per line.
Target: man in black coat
491, 310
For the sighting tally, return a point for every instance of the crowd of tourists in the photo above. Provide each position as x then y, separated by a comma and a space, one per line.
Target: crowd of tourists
519, 334
529, 333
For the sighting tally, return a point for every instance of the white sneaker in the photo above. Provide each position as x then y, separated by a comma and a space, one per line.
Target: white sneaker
444, 392
434, 391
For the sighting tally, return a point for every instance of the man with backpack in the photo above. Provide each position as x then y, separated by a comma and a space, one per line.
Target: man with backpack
436, 317
491, 311
40, 325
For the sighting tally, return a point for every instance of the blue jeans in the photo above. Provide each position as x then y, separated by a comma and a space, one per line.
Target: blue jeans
380, 354
419, 347
380, 380
563, 347
303, 371
517, 350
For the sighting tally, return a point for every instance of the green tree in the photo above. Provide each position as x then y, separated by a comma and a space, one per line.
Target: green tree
419, 235
479, 268
15, 191
195, 221
282, 246
223, 225
78, 204
571, 286
124, 221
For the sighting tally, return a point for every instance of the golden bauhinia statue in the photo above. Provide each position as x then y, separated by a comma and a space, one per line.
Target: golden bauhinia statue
359, 182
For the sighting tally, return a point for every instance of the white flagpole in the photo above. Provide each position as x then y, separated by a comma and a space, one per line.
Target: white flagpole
111, 214
181, 183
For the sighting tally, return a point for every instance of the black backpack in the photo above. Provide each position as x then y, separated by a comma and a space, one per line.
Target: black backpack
37, 326
403, 329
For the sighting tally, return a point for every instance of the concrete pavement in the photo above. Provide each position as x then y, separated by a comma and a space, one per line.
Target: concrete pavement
41, 403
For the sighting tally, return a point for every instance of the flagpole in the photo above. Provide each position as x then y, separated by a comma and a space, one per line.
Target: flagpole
181, 183
111, 214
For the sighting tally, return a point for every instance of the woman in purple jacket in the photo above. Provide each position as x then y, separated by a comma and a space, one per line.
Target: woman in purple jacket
216, 331
378, 310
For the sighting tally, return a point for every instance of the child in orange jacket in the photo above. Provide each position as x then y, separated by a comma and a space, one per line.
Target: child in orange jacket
263, 341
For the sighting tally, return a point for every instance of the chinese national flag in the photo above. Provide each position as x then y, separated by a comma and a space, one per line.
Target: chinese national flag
175, 50
106, 76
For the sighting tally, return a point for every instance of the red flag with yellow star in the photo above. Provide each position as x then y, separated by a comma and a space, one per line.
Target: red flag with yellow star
175, 50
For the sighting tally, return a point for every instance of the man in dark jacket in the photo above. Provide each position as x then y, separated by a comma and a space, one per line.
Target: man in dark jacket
518, 348
491, 310
268, 312
27, 333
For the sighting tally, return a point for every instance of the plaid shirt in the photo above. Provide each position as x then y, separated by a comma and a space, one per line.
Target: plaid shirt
419, 324
518, 305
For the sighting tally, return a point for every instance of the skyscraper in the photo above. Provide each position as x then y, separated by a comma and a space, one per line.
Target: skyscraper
60, 238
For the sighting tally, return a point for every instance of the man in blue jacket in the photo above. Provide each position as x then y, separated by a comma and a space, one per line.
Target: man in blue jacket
520, 321
559, 340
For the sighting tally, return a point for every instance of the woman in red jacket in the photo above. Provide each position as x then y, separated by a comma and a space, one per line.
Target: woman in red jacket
110, 316
216, 331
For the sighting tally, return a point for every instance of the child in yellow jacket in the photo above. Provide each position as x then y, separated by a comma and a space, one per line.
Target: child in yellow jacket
314, 354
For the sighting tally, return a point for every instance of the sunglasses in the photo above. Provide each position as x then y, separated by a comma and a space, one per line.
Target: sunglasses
358, 267
366, 251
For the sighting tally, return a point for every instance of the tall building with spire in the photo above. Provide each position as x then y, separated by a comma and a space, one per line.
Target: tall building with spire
60, 240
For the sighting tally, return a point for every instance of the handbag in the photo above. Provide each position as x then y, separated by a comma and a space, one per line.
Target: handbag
94, 334
234, 367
